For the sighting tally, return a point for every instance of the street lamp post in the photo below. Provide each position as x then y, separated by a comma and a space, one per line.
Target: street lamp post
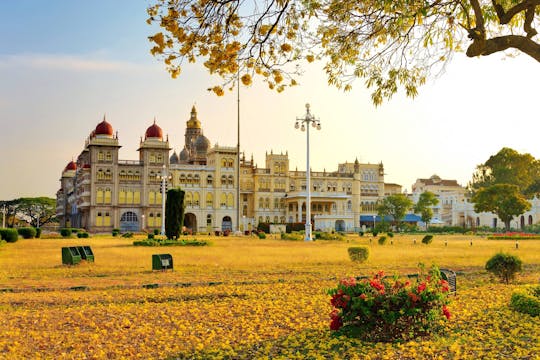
163, 177
4, 217
373, 222
305, 122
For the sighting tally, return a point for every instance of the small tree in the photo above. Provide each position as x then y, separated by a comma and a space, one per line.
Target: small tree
423, 206
358, 254
174, 213
505, 266
395, 206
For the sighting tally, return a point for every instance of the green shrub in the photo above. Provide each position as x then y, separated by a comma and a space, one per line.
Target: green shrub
358, 253
427, 239
151, 236
292, 236
319, 235
65, 232
505, 266
127, 235
389, 309
156, 231
115, 232
27, 232
261, 235
38, 233
375, 233
382, 240
526, 300
361, 233
170, 242
82, 235
10, 235
390, 234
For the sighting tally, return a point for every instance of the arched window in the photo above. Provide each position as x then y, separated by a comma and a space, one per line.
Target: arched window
267, 203
99, 219
151, 221
276, 203
230, 163
107, 199
276, 219
152, 157
196, 179
230, 200
101, 156
349, 205
182, 179
209, 200
261, 203
188, 199
268, 219
223, 200
223, 180
99, 196
107, 219
196, 199
209, 180
223, 162
230, 180
260, 219
108, 156
158, 219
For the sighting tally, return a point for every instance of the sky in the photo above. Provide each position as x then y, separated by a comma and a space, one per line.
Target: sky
64, 64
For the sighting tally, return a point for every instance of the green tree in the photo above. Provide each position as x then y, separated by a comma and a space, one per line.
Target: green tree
174, 213
504, 200
423, 206
508, 167
391, 44
36, 211
395, 206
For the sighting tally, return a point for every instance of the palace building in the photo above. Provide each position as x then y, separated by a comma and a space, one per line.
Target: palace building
100, 192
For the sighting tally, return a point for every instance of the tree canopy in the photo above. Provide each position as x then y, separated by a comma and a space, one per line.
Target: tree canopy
504, 200
174, 213
390, 44
36, 211
508, 167
396, 206
423, 206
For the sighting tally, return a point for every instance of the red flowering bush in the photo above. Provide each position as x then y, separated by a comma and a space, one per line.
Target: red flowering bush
389, 309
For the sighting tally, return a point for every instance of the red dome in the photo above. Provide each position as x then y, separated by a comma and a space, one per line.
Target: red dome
104, 128
154, 131
71, 165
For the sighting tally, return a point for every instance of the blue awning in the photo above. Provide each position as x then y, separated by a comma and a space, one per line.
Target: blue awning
407, 218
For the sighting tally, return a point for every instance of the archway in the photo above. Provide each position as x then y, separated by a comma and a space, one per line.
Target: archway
340, 225
190, 221
522, 222
129, 221
226, 223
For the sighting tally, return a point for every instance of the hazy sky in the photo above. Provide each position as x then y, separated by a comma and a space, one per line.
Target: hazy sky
64, 64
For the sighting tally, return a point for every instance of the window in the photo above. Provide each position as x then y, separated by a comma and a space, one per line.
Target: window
99, 196
276, 219
196, 179
152, 157
349, 205
188, 200
122, 196
209, 180
230, 200
151, 198
101, 156
129, 197
230, 163
230, 180
108, 156
137, 197
261, 203
159, 158
267, 203
158, 219
223, 180
107, 199
151, 221
196, 199
223, 200
223, 162
209, 200
99, 219
276, 203
209, 220
158, 197
107, 219
260, 219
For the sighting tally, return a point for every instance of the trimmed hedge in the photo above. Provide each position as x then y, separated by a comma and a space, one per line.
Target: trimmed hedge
427, 239
83, 235
319, 235
115, 232
38, 233
261, 235
526, 300
27, 232
382, 240
169, 242
358, 253
292, 236
10, 235
66, 232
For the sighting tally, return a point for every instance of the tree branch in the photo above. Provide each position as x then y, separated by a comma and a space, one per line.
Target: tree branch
486, 47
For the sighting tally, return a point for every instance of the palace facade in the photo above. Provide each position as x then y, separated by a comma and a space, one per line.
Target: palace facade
100, 192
